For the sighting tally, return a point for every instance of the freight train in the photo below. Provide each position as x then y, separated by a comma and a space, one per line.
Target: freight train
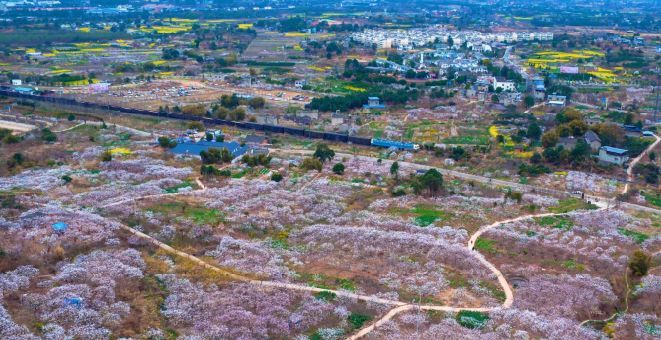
329, 136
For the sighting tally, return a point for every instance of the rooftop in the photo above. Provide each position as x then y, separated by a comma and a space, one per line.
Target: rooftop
612, 150
192, 148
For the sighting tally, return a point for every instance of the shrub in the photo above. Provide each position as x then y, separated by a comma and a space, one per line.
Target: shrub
48, 135
639, 263
106, 156
325, 295
338, 169
276, 177
356, 320
311, 164
166, 142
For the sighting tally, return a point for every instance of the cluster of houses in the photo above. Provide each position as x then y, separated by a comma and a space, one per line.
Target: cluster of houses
412, 38
509, 92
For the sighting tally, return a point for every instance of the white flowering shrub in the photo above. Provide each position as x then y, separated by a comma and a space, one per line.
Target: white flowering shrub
241, 310
80, 299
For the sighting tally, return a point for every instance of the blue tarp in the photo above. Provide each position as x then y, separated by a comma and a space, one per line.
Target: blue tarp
73, 301
60, 226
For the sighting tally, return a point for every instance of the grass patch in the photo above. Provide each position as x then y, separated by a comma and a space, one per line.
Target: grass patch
325, 295
328, 282
558, 222
357, 320
485, 245
636, 236
174, 189
571, 264
239, 174
199, 215
571, 204
424, 215
653, 199
494, 290
472, 320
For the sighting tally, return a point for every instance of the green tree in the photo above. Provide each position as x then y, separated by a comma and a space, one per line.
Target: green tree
580, 152
257, 102
529, 101
106, 156
394, 170
534, 131
216, 155
166, 142
459, 153
323, 153
432, 180
639, 263
410, 74
71, 117
276, 177
48, 135
535, 158
550, 139
338, 169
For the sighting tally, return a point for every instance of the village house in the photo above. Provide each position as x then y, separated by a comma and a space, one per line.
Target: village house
609, 154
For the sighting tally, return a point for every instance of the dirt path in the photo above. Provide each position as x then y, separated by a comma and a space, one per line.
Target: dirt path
636, 160
16, 126
509, 294
69, 128
399, 306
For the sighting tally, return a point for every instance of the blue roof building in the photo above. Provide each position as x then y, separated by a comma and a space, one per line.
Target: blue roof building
194, 148
24, 90
609, 154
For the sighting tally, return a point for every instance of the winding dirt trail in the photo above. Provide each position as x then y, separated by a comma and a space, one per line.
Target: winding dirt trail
399, 306
509, 294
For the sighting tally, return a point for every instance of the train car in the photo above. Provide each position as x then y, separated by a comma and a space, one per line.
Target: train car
385, 143
336, 137
294, 131
314, 134
253, 126
359, 140
274, 128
